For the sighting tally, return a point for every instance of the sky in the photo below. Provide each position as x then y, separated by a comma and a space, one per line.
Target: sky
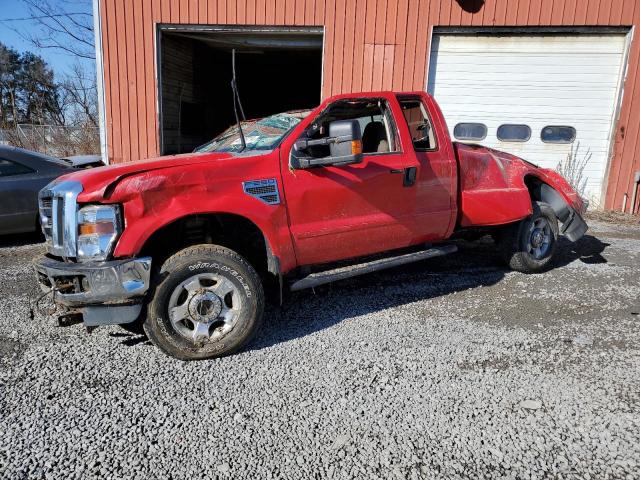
61, 62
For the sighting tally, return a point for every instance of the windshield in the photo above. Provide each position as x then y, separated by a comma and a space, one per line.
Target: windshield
263, 134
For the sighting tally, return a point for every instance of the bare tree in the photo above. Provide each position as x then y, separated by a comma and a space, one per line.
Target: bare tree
80, 97
65, 25
572, 168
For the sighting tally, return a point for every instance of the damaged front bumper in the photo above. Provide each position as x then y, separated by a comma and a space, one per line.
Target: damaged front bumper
103, 292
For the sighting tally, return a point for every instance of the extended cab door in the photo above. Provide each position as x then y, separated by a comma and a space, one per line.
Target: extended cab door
430, 153
339, 212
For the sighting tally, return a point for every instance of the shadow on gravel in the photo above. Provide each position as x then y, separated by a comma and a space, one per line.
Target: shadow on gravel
476, 264
588, 250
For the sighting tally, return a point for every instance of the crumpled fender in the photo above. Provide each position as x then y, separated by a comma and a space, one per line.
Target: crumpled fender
156, 194
493, 186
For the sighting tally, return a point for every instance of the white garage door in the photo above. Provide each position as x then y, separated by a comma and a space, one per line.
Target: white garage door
569, 81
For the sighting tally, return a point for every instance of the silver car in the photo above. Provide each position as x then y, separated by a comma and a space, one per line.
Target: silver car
22, 175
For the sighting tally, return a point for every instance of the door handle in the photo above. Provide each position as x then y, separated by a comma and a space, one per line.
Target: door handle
409, 177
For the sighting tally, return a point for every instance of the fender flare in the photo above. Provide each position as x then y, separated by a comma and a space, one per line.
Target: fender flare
573, 226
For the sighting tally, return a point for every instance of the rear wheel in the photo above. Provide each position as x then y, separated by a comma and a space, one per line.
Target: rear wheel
529, 246
208, 302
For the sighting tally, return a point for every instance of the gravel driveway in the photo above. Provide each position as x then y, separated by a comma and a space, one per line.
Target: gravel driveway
450, 368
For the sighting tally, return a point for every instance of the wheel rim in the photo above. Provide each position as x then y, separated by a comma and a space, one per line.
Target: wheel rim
540, 238
204, 308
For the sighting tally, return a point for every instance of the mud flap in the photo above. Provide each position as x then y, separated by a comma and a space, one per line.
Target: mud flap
574, 227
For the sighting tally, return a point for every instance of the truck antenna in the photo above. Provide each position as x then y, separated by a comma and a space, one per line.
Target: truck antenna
236, 100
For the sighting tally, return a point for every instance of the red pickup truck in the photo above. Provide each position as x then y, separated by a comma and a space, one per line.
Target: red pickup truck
183, 246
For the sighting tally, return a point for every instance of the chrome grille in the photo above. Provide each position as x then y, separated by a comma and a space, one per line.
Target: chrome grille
46, 212
58, 216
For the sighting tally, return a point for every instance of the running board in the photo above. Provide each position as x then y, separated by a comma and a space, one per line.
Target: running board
328, 276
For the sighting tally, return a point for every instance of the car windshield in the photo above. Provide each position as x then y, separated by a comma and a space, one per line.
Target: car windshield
263, 134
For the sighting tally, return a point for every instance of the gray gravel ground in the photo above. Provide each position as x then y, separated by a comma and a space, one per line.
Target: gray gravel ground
450, 368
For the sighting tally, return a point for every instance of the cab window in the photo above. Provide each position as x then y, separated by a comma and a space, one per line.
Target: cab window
420, 126
376, 124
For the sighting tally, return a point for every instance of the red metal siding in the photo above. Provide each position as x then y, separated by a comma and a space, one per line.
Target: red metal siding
369, 44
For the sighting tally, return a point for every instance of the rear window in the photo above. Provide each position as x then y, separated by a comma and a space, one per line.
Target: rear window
9, 168
558, 134
470, 131
513, 133
419, 124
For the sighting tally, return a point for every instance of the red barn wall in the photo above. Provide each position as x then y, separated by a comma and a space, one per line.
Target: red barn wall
369, 45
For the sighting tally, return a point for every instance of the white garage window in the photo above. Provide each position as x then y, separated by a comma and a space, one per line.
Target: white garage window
470, 131
558, 134
509, 132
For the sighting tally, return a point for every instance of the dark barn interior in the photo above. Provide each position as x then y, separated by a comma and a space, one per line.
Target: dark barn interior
275, 71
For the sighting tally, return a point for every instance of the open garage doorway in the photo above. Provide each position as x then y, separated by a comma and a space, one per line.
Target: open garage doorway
277, 69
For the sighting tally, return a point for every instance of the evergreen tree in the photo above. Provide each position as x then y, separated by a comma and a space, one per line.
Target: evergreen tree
28, 92
9, 68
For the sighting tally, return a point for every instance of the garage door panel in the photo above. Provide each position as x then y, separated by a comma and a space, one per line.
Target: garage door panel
536, 125
462, 86
521, 78
570, 80
586, 62
479, 115
577, 68
590, 44
543, 93
530, 59
518, 103
551, 111
555, 149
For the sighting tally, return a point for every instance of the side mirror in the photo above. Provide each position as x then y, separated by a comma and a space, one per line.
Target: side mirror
345, 146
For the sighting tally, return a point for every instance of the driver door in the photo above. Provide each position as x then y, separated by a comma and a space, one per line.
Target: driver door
339, 212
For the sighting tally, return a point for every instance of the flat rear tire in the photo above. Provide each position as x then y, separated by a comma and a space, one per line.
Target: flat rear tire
529, 246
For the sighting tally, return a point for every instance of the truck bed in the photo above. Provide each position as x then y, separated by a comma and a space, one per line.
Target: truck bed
491, 188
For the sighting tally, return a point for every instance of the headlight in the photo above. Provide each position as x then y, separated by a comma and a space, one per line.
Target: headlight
98, 229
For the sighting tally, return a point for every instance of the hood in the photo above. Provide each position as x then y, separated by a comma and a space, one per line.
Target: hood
97, 181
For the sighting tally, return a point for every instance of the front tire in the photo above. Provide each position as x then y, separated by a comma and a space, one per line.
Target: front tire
208, 302
530, 245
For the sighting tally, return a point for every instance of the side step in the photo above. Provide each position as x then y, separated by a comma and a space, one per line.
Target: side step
328, 276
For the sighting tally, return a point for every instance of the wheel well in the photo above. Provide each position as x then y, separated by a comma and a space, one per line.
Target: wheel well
228, 230
542, 192
533, 185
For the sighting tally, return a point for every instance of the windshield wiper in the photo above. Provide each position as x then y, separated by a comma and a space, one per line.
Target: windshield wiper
236, 100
